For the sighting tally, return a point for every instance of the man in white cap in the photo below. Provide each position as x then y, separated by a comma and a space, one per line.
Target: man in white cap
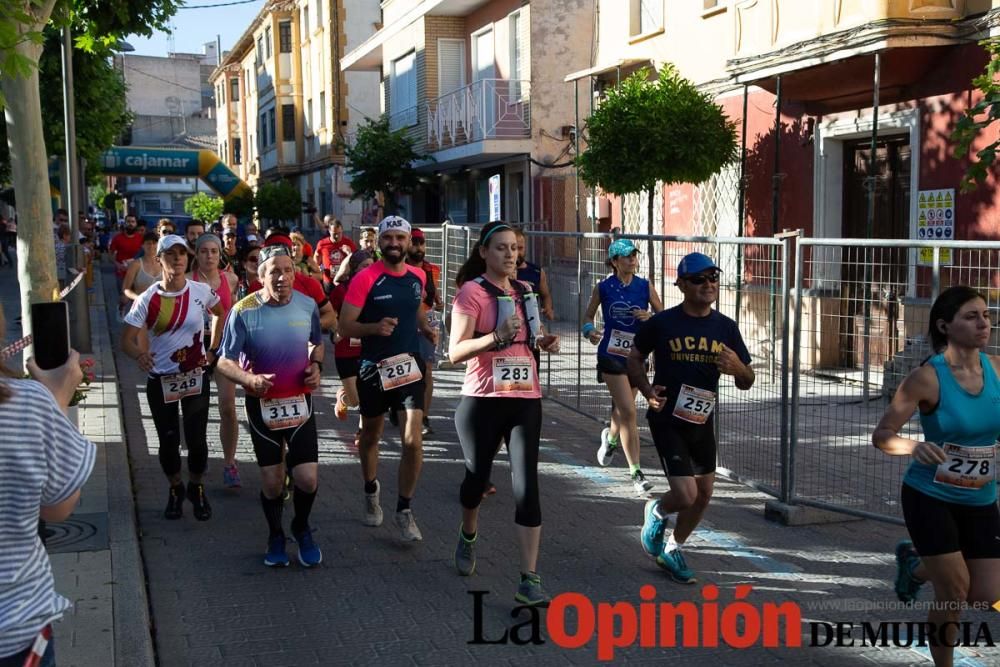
382, 308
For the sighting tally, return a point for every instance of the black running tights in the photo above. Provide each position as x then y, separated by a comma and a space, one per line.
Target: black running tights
483, 423
167, 420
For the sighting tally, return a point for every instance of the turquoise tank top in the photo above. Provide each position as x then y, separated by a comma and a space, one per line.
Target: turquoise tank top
961, 418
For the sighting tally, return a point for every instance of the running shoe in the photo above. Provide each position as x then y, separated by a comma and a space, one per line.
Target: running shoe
465, 555
231, 477
653, 528
606, 452
407, 525
640, 483
309, 553
373, 510
530, 592
199, 502
427, 427
341, 409
175, 503
673, 562
276, 555
907, 584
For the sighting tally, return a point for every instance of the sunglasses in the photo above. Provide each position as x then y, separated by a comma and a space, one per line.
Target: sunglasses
702, 279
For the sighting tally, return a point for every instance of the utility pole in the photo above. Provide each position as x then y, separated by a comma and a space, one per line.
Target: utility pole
80, 323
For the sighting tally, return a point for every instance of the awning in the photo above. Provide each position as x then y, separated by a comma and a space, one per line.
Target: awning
623, 64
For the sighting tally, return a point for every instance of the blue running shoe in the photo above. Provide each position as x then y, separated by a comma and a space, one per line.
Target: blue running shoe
309, 553
276, 556
907, 560
652, 530
673, 562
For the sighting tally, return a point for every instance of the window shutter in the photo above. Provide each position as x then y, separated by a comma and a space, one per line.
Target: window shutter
451, 65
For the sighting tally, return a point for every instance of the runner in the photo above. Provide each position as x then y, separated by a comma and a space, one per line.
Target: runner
624, 299
694, 345
303, 262
332, 250
125, 245
163, 332
415, 256
208, 254
368, 242
347, 352
949, 494
144, 272
303, 283
381, 308
501, 397
534, 275
273, 346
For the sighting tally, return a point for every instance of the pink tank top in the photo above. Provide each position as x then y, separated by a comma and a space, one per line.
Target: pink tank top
225, 295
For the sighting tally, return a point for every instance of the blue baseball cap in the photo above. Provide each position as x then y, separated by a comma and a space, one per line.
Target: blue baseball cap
694, 263
622, 248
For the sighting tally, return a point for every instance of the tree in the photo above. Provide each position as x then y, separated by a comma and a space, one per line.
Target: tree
970, 125
22, 22
278, 201
647, 132
101, 113
204, 207
381, 162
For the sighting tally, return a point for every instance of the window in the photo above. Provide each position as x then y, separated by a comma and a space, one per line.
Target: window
262, 132
322, 109
234, 90
451, 65
517, 59
272, 135
288, 122
711, 4
225, 152
308, 129
319, 13
285, 37
237, 151
260, 49
403, 92
267, 41
646, 16
305, 22
222, 93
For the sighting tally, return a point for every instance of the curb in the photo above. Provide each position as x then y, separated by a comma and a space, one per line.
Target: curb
133, 638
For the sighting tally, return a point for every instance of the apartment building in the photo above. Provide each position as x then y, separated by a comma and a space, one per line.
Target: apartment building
798, 77
282, 99
478, 84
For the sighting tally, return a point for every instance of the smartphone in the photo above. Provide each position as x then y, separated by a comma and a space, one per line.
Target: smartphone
50, 329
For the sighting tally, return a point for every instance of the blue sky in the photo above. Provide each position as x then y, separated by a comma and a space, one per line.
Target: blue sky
193, 27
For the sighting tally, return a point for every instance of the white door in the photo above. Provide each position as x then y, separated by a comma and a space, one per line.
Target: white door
483, 74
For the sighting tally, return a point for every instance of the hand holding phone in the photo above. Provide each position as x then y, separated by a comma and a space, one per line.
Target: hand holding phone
50, 331
61, 381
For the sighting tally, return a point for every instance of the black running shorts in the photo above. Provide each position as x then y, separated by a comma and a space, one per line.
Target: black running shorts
373, 401
609, 366
685, 449
302, 440
347, 367
938, 527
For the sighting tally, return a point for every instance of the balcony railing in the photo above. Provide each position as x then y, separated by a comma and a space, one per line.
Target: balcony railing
486, 109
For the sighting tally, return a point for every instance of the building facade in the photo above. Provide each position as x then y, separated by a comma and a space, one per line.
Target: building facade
479, 86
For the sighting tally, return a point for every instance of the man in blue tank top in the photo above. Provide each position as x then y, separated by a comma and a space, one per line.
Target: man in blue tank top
695, 345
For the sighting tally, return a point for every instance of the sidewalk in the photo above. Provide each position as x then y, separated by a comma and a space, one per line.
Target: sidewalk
95, 554
377, 601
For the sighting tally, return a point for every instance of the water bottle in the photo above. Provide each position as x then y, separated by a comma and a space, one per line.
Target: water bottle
505, 308
534, 319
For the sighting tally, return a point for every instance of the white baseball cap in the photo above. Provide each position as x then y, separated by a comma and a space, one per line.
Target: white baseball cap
169, 241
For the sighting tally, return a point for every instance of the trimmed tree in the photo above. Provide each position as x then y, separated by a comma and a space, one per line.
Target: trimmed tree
204, 207
380, 161
655, 131
977, 118
278, 201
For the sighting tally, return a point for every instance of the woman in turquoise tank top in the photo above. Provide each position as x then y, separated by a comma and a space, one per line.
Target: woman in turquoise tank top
949, 494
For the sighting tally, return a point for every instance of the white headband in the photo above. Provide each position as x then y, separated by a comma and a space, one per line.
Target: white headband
393, 223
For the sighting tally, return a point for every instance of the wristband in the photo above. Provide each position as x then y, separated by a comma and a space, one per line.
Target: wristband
587, 328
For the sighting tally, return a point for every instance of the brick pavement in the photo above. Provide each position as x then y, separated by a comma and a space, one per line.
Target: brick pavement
377, 601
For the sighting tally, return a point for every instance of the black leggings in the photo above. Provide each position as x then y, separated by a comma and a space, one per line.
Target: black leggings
482, 424
166, 418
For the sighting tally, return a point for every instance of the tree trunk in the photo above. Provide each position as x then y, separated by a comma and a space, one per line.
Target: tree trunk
36, 260
649, 224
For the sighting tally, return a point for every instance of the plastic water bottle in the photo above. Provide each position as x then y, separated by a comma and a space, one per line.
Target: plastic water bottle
534, 319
